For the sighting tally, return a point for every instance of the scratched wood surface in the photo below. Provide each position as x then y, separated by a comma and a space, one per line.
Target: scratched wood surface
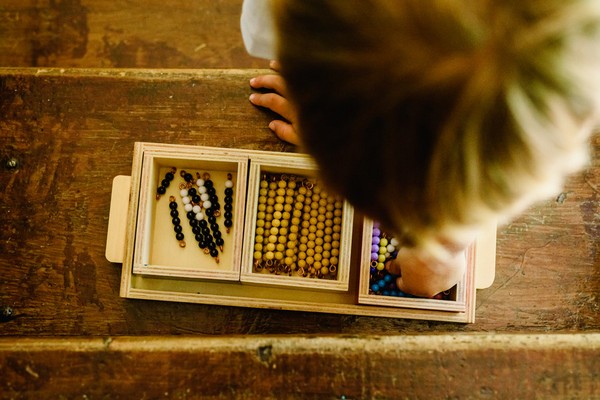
105, 33
72, 131
492, 366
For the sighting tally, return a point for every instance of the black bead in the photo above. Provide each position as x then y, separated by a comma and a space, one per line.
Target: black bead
176, 221
174, 213
205, 231
196, 230
227, 206
169, 176
188, 177
199, 237
202, 244
228, 223
214, 227
173, 205
179, 236
213, 198
228, 200
217, 234
212, 219
208, 183
196, 199
211, 245
219, 241
208, 212
191, 192
215, 206
228, 215
203, 223
229, 192
191, 215
165, 182
214, 252
161, 190
194, 222
177, 228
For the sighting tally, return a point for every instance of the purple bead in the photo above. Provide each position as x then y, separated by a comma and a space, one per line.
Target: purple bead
376, 232
374, 256
375, 240
375, 248
375, 224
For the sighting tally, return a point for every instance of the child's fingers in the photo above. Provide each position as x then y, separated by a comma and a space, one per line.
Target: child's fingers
273, 82
275, 103
274, 65
285, 131
393, 267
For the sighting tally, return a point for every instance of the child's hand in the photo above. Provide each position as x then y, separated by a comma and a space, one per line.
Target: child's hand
276, 102
425, 276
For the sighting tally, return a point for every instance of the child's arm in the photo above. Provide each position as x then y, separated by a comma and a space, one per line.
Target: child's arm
277, 102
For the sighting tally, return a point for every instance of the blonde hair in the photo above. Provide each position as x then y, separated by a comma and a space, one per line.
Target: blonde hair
435, 116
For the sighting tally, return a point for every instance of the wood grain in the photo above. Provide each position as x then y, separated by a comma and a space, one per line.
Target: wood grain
105, 34
72, 131
484, 366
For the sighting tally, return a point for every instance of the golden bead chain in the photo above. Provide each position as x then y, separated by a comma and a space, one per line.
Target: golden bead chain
298, 228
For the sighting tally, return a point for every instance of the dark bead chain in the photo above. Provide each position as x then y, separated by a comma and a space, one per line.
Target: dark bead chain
228, 207
176, 221
164, 184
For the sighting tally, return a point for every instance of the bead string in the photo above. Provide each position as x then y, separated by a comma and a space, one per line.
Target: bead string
228, 207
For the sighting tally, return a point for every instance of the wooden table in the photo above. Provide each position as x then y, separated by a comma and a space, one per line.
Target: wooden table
65, 133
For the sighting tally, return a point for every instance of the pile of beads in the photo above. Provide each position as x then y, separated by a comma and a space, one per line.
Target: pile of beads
201, 204
384, 248
298, 228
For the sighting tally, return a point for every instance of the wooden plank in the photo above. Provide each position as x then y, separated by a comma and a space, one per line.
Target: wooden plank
102, 33
504, 366
72, 131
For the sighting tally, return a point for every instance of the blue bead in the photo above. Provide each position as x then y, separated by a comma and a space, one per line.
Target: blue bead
386, 293
388, 278
381, 283
375, 287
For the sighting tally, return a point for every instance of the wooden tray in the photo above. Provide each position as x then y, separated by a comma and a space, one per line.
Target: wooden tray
139, 236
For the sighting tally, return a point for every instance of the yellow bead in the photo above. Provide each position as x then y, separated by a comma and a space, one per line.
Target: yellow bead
324, 270
257, 255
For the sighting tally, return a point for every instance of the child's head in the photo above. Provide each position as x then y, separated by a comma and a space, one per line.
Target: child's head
433, 115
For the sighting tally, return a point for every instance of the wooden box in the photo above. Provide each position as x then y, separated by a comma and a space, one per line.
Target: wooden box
141, 236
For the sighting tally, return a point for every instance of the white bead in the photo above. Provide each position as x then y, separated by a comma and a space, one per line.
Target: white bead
199, 216
228, 184
186, 200
183, 192
200, 182
391, 248
188, 207
394, 242
204, 197
202, 189
207, 204
196, 209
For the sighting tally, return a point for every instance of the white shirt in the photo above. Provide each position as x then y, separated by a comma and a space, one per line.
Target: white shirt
258, 30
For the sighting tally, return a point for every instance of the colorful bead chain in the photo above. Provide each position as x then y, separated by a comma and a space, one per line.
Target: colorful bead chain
384, 248
294, 232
